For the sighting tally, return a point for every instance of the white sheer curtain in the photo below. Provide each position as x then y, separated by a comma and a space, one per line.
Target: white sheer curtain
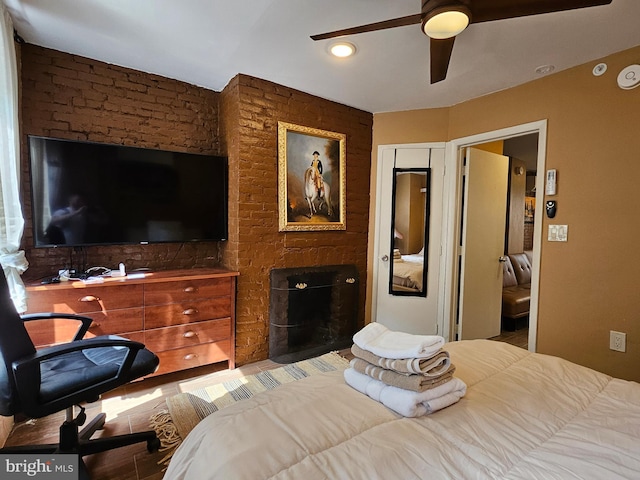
12, 258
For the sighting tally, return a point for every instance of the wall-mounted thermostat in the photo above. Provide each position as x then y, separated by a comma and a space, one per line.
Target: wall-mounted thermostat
550, 183
629, 77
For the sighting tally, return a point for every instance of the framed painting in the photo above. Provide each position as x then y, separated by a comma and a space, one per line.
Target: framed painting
311, 179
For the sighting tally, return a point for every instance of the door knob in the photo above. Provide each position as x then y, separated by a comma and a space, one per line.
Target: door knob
503, 259
385, 258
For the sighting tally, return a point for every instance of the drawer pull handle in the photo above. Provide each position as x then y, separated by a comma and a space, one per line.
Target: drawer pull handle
90, 298
190, 356
190, 311
190, 334
190, 289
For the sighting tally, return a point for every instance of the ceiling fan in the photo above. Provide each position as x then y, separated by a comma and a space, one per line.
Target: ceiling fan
442, 20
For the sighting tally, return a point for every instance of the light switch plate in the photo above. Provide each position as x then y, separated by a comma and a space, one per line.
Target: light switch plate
558, 233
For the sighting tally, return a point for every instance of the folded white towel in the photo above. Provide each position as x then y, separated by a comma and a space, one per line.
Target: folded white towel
378, 339
406, 402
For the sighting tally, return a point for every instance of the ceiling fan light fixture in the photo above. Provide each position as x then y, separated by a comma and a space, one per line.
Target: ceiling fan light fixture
342, 49
446, 22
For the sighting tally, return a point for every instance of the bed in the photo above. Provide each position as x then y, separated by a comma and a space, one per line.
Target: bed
407, 273
524, 416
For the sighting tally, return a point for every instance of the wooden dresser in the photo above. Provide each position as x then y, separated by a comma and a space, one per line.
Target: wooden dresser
186, 317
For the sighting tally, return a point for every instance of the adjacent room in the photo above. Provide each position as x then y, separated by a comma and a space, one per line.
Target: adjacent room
230, 252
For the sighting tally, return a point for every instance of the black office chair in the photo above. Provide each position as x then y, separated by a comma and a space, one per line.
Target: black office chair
39, 383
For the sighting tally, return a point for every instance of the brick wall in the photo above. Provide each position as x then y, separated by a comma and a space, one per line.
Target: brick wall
67, 96
71, 97
251, 124
528, 235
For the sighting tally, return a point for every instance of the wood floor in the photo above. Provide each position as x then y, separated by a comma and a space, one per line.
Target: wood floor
519, 337
129, 409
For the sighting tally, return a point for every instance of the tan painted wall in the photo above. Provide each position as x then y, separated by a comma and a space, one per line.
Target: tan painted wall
588, 285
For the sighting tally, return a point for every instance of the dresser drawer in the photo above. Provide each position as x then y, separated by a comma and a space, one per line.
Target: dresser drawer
116, 322
160, 339
186, 312
194, 356
53, 332
186, 290
85, 299
135, 336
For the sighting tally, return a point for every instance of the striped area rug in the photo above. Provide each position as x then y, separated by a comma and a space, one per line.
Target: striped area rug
186, 410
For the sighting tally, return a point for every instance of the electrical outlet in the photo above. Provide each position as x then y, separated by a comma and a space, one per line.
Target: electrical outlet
618, 341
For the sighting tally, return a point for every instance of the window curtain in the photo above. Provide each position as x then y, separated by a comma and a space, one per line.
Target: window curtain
12, 259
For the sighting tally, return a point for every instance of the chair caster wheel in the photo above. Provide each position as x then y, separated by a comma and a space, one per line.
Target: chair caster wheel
153, 445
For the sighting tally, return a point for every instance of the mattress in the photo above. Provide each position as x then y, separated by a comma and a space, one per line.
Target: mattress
524, 416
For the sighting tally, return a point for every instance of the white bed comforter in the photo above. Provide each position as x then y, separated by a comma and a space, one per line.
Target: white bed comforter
524, 416
408, 272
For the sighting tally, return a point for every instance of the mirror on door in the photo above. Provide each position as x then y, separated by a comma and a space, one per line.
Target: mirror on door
409, 232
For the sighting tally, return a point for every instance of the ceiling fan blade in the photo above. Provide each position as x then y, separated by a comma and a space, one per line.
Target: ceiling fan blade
489, 10
440, 56
371, 27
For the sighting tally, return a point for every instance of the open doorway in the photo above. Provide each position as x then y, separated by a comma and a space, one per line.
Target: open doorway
536, 133
522, 152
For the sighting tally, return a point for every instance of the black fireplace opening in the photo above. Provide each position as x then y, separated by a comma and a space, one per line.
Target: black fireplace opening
313, 310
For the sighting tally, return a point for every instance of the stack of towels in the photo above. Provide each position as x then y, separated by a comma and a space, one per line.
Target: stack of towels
396, 254
410, 374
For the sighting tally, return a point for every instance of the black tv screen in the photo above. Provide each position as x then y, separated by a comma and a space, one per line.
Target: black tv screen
98, 194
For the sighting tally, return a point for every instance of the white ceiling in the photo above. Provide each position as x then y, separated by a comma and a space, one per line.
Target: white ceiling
208, 42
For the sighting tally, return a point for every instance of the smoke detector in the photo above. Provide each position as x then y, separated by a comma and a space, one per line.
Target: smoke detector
629, 77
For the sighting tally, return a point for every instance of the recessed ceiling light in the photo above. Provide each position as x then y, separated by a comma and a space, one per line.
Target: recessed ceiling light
544, 69
342, 49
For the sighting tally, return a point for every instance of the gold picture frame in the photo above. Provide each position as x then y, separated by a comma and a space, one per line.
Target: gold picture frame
311, 179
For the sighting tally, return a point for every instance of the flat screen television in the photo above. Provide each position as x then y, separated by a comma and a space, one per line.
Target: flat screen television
87, 193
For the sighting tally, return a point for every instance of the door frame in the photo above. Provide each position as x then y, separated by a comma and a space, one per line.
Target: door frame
451, 220
376, 245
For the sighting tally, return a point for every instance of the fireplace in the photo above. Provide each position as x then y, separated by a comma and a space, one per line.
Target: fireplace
312, 310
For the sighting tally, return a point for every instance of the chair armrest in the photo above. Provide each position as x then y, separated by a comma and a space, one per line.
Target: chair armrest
82, 329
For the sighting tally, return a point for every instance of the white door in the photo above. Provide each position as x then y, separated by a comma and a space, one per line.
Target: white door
397, 311
483, 234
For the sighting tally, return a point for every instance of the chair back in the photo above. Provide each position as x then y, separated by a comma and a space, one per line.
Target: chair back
15, 343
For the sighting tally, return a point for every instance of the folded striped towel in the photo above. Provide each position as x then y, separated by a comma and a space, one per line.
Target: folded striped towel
415, 383
405, 402
429, 367
378, 339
